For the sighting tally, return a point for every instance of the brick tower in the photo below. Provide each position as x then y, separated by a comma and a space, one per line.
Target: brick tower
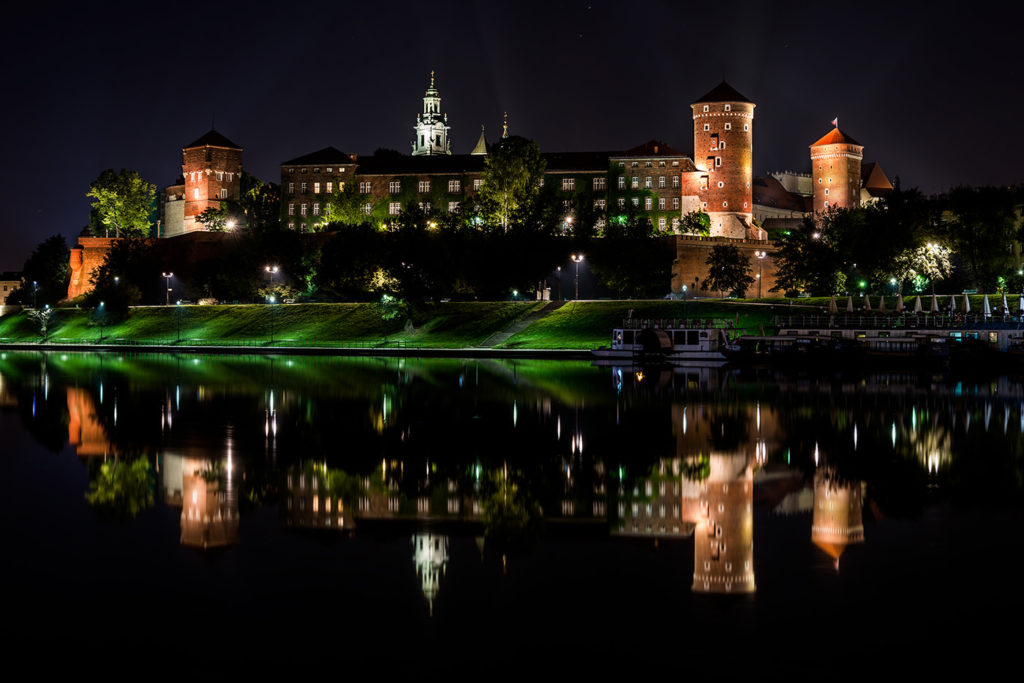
212, 168
723, 132
835, 171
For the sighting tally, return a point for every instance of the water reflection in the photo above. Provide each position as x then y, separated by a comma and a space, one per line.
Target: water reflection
837, 513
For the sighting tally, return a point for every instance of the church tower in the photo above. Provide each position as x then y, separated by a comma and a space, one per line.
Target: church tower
723, 133
212, 167
835, 171
431, 126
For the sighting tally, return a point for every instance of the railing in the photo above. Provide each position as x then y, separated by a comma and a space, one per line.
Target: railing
677, 323
882, 321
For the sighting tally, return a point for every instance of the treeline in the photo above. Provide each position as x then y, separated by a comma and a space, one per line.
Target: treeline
967, 238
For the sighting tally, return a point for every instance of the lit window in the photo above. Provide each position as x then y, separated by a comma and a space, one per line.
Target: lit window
195, 193
424, 206
648, 203
600, 183
291, 170
661, 181
675, 202
622, 202
675, 181
316, 188
728, 126
303, 188
477, 184
291, 209
395, 186
220, 176
330, 187
622, 182
423, 186
316, 208
636, 182
316, 170
661, 226
636, 201
453, 206
648, 182
329, 170
291, 188
291, 226
303, 209
600, 204
661, 203
367, 208
394, 208
364, 187
223, 193
568, 184
455, 186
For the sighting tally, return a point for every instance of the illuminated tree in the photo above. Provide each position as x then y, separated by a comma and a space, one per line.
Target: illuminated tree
123, 202
696, 223
512, 175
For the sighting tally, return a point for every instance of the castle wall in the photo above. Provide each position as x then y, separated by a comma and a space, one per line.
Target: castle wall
85, 259
691, 269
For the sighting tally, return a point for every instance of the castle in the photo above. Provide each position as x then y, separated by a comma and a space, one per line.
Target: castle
663, 182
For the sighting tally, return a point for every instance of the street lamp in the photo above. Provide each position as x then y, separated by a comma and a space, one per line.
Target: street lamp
684, 302
568, 223
99, 318
760, 269
35, 288
576, 258
167, 294
273, 273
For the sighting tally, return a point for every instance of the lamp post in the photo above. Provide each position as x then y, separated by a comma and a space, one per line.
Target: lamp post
35, 288
99, 318
760, 269
167, 293
576, 258
684, 302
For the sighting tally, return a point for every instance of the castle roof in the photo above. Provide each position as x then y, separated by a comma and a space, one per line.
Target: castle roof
836, 137
481, 144
874, 180
327, 155
770, 192
652, 148
723, 92
400, 164
213, 139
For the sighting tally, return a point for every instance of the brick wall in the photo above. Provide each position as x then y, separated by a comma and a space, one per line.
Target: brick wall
690, 267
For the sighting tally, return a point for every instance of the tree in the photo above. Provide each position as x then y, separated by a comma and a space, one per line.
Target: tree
511, 180
981, 224
42, 317
728, 271
696, 223
215, 219
345, 207
123, 201
45, 274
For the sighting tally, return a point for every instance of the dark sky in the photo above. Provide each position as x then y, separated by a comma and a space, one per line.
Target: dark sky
932, 93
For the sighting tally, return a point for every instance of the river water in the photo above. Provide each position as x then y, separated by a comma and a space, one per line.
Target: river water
436, 516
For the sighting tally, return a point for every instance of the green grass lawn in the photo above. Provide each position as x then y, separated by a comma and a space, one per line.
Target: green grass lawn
439, 325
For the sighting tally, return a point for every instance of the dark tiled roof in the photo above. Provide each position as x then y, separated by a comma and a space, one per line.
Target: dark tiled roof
652, 148
770, 192
213, 139
835, 137
408, 165
723, 92
327, 155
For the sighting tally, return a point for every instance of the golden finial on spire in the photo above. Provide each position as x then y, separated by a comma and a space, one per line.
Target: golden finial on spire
504, 127
431, 78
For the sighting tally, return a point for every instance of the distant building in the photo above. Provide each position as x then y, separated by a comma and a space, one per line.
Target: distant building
211, 172
8, 283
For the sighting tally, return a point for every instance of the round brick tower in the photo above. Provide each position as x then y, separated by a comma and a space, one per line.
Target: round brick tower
835, 171
723, 133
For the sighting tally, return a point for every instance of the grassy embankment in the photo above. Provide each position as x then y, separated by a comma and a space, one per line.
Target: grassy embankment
450, 325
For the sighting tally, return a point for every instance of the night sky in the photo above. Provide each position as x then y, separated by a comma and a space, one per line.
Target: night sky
932, 93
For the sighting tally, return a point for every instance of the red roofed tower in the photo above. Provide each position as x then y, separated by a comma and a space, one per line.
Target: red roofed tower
723, 133
835, 171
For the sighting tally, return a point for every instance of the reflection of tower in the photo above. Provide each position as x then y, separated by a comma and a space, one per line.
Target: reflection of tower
85, 432
723, 541
430, 556
837, 514
208, 499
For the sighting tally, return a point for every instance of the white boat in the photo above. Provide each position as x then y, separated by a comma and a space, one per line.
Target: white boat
689, 341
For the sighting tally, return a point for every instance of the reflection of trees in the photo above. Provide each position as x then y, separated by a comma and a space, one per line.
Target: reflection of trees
122, 489
511, 517
729, 431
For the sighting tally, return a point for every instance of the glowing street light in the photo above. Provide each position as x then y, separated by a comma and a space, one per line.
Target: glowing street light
576, 258
167, 294
760, 268
273, 273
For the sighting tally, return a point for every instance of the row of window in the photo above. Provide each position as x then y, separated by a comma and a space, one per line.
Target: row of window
395, 186
648, 203
648, 182
328, 169
647, 164
304, 209
223, 193
196, 176
728, 126
304, 187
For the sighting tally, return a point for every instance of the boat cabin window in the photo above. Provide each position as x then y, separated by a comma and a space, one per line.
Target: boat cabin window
618, 337
860, 334
993, 337
883, 333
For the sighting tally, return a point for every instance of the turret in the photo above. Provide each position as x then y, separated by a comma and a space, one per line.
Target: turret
835, 171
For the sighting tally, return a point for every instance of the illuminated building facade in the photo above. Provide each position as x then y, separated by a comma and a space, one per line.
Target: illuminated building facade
211, 171
835, 171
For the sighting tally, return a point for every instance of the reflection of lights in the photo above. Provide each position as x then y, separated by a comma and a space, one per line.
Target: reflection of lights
577, 443
558, 428
855, 436
640, 376
515, 414
817, 455
758, 416
913, 419
684, 420
933, 462
894, 435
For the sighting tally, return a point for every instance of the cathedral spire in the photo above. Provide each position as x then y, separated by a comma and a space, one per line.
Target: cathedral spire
431, 126
481, 144
504, 127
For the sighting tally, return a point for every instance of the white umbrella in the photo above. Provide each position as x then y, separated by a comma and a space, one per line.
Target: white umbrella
1006, 306
899, 302
867, 303
1020, 304
917, 304
935, 304
849, 303
832, 305
967, 304
881, 304
986, 309
952, 304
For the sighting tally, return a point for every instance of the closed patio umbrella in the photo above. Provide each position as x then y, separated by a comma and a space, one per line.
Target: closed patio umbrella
952, 304
917, 304
881, 304
832, 305
1006, 306
849, 303
967, 303
867, 303
935, 304
899, 302
986, 309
